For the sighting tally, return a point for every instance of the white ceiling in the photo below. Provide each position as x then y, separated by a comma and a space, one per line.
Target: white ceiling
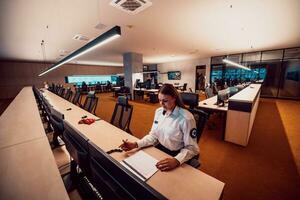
169, 30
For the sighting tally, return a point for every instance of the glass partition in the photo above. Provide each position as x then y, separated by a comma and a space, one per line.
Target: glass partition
290, 84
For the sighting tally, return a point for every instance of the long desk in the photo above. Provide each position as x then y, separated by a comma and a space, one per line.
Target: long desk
183, 182
239, 113
27, 166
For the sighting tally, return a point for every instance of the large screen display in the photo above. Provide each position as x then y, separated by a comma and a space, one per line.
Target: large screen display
91, 79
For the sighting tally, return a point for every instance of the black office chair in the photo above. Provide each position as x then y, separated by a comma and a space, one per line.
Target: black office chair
209, 92
90, 103
68, 95
183, 88
77, 146
46, 113
56, 120
200, 117
122, 114
76, 98
61, 92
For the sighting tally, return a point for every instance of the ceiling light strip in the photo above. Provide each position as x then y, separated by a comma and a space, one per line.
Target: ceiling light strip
104, 38
235, 64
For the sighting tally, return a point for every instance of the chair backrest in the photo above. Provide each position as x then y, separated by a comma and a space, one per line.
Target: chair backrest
76, 98
68, 95
90, 104
61, 92
184, 87
77, 146
200, 117
122, 114
209, 92
56, 119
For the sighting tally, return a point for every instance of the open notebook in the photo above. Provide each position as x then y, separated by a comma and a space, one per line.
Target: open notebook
141, 164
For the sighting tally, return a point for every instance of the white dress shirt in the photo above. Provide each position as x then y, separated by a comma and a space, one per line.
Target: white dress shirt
175, 132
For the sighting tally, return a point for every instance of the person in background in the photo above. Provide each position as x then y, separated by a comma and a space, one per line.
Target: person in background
173, 131
46, 85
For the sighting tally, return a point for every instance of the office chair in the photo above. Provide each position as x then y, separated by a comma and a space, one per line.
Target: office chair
90, 104
77, 98
68, 95
209, 92
122, 114
183, 88
61, 92
201, 118
46, 113
77, 146
56, 120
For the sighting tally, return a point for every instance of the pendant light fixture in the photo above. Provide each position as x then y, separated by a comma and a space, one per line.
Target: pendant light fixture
235, 64
104, 38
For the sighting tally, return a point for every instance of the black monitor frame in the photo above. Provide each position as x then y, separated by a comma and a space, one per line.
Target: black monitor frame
190, 98
116, 181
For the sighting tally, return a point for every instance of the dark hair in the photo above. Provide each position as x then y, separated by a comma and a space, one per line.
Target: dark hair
169, 89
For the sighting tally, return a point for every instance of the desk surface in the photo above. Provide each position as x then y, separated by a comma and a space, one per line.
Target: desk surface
27, 168
16, 120
247, 95
193, 183
210, 103
145, 90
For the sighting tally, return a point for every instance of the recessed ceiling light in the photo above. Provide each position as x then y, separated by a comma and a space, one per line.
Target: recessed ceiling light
80, 37
100, 26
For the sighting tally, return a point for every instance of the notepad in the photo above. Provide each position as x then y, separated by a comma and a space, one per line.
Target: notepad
141, 164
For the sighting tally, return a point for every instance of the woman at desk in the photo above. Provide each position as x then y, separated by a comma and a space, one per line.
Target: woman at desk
173, 131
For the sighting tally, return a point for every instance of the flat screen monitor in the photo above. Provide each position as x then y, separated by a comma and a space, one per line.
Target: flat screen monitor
223, 96
114, 181
190, 99
174, 75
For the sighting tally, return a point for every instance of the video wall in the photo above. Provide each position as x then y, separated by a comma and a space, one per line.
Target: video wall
91, 79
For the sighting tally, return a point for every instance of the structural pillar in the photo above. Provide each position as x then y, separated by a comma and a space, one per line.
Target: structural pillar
133, 63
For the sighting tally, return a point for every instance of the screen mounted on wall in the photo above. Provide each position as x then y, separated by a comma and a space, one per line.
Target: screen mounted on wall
174, 75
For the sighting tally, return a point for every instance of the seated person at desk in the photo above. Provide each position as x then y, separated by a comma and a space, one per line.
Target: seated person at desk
173, 131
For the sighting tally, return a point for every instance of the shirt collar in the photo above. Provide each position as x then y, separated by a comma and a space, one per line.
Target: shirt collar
175, 112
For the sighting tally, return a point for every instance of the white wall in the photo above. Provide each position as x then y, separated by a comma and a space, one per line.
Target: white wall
187, 68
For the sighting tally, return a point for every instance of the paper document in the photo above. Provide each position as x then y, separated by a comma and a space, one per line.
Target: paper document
142, 164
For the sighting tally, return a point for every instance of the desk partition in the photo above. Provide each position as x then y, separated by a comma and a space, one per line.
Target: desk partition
193, 183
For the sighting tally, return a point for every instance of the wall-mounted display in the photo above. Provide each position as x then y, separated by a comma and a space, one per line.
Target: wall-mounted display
174, 75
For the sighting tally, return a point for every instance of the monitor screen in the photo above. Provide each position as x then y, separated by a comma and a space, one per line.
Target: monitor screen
223, 96
190, 99
174, 75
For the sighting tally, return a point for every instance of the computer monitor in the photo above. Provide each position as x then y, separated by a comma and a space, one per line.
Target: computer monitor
223, 96
114, 181
233, 91
190, 99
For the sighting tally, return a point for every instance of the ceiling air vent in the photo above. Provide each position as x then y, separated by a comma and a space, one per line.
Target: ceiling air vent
131, 6
80, 37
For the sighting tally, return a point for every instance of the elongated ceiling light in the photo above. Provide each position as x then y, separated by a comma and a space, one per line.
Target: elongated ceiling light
104, 38
235, 64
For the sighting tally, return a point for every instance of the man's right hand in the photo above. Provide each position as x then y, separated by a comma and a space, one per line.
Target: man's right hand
127, 146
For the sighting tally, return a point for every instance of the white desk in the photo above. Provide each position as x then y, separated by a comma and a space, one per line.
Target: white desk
241, 113
193, 183
27, 168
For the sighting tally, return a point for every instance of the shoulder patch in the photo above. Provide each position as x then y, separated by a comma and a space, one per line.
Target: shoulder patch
193, 133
